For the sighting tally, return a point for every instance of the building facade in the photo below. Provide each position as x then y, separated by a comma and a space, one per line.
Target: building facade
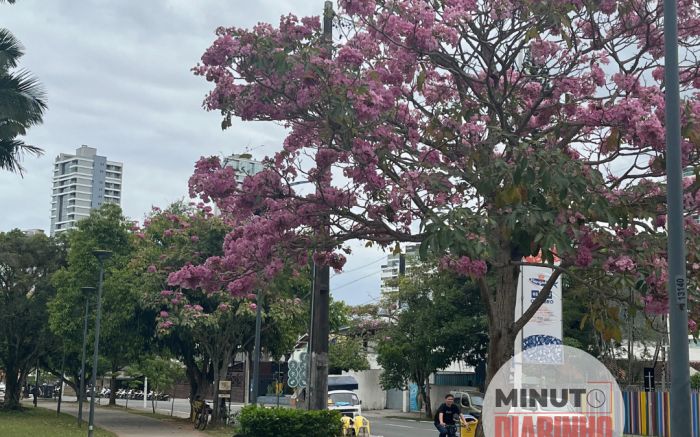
244, 165
397, 265
81, 182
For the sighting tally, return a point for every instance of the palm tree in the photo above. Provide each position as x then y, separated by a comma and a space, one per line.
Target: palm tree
22, 104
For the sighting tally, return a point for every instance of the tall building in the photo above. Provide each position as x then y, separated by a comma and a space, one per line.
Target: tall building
397, 265
244, 164
82, 182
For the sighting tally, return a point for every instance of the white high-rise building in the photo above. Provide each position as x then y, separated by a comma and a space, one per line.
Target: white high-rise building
396, 266
81, 182
244, 164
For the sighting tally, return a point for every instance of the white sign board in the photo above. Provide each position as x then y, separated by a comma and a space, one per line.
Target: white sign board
545, 327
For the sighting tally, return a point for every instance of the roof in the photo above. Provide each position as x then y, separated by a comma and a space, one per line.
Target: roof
342, 382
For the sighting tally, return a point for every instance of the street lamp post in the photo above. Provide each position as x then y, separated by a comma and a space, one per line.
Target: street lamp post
101, 256
256, 359
678, 297
87, 291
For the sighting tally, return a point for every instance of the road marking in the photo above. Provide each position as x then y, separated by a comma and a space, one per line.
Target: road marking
399, 426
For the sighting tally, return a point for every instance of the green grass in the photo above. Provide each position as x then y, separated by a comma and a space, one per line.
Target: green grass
41, 422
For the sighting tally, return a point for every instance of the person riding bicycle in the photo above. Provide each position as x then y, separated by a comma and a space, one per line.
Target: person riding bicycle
445, 420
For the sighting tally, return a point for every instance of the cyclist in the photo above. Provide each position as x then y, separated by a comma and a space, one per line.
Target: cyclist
445, 420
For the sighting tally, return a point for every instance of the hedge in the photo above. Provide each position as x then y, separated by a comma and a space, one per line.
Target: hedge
275, 422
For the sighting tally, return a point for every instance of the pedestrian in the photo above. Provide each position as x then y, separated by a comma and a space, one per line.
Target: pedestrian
445, 420
35, 394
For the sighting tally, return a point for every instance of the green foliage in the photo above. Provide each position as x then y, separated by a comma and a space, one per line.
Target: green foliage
275, 422
162, 373
345, 354
26, 265
22, 104
695, 381
439, 319
127, 327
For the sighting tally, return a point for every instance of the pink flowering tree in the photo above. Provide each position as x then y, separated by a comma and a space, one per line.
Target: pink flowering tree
206, 327
486, 130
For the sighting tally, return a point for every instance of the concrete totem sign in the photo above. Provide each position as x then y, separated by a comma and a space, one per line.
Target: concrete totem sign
298, 365
545, 327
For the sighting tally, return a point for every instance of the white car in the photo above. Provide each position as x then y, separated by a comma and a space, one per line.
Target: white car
346, 402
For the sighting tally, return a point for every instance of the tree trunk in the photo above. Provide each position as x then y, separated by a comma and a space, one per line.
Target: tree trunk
501, 297
428, 404
13, 393
215, 402
113, 387
423, 398
196, 379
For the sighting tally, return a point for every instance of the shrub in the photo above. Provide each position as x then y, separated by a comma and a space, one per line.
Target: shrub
695, 381
276, 422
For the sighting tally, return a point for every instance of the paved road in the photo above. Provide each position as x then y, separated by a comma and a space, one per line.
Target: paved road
401, 428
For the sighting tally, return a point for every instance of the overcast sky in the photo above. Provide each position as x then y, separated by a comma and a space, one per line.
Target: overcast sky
117, 75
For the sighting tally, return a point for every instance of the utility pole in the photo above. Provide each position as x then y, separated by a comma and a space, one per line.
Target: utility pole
254, 389
101, 255
680, 376
320, 303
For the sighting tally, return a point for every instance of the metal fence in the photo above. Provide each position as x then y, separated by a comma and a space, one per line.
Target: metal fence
648, 413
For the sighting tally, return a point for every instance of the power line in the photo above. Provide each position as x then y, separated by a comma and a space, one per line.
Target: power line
362, 266
355, 280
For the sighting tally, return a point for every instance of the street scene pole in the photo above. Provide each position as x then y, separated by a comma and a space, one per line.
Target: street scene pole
101, 255
86, 292
680, 375
256, 359
318, 378
63, 375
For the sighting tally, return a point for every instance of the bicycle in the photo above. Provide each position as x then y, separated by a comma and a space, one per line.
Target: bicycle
201, 418
452, 430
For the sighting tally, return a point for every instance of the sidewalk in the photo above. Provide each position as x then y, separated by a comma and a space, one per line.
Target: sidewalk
396, 414
126, 424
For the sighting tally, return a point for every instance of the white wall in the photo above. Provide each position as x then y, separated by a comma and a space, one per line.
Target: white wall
369, 390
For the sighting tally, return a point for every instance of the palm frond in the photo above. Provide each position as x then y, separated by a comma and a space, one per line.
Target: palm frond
10, 50
22, 98
12, 152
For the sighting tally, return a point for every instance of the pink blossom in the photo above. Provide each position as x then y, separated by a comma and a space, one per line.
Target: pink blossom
152, 269
464, 266
168, 233
166, 293
197, 308
584, 257
164, 314
194, 238
253, 306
